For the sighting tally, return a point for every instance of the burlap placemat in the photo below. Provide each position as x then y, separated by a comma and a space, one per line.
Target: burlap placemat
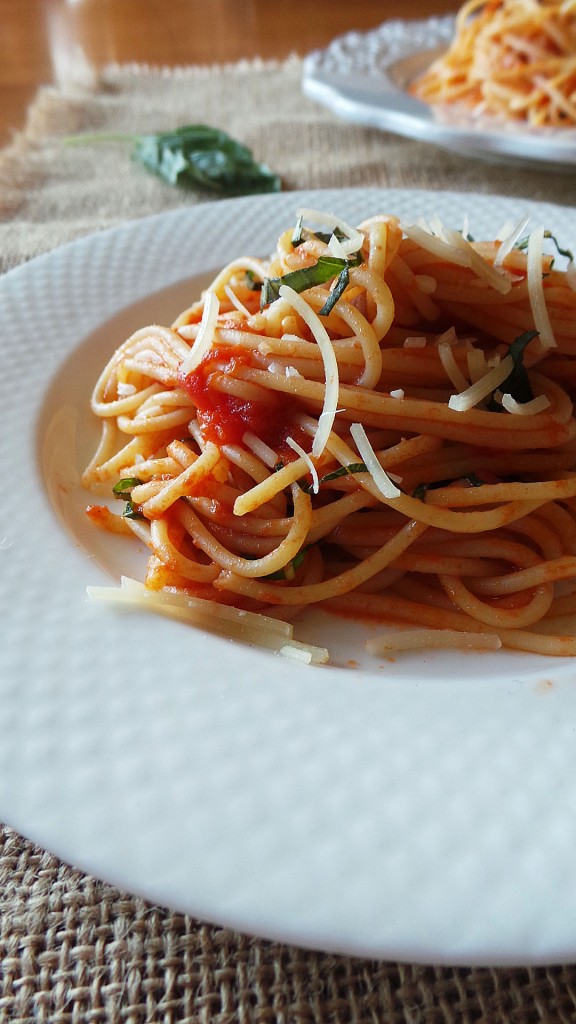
74, 948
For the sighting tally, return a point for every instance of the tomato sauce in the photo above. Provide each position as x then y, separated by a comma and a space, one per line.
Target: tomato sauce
225, 418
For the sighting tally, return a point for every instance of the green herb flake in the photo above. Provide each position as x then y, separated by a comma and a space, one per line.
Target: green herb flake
324, 270
125, 486
132, 511
289, 570
251, 282
349, 470
421, 490
337, 291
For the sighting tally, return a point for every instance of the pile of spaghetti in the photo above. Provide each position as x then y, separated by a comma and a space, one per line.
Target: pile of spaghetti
377, 421
514, 59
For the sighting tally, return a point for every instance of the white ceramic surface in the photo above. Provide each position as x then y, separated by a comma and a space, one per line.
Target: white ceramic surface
363, 77
421, 809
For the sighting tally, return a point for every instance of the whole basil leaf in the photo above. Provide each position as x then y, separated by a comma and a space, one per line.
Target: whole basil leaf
195, 156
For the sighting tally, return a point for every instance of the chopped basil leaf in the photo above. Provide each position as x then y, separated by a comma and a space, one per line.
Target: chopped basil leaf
326, 268
434, 485
289, 571
352, 467
125, 485
338, 289
349, 470
252, 282
132, 512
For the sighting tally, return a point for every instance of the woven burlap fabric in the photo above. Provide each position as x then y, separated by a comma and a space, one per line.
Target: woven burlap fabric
74, 948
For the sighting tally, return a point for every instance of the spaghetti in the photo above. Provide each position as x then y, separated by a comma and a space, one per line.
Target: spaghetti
376, 421
513, 59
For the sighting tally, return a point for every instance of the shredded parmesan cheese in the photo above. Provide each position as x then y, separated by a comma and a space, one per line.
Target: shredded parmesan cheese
236, 301
482, 388
252, 627
304, 455
492, 275
370, 459
354, 239
336, 248
536, 289
330, 366
509, 240
525, 408
456, 249
205, 335
451, 367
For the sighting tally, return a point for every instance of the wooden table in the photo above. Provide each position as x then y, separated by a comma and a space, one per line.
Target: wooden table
42, 41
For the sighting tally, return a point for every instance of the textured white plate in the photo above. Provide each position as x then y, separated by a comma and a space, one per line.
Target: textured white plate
421, 809
363, 77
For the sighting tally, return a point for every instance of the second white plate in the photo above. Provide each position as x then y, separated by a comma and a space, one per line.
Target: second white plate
363, 77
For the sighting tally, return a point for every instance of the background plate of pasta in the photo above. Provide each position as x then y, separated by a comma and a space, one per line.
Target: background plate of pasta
498, 81
288, 542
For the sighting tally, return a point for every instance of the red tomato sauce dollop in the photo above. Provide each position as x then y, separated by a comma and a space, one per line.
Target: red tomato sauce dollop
225, 418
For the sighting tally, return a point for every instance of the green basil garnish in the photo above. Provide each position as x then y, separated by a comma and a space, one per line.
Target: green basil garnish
421, 490
288, 572
335, 293
124, 487
324, 270
349, 470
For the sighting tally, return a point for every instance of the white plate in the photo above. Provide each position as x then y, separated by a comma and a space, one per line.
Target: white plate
422, 809
363, 77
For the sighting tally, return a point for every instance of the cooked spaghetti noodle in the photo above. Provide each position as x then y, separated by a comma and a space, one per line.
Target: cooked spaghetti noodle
515, 59
376, 421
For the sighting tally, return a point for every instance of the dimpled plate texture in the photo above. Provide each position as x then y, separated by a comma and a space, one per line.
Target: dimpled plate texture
420, 809
364, 77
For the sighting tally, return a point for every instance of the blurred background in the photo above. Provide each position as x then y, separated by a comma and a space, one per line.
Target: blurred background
46, 41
